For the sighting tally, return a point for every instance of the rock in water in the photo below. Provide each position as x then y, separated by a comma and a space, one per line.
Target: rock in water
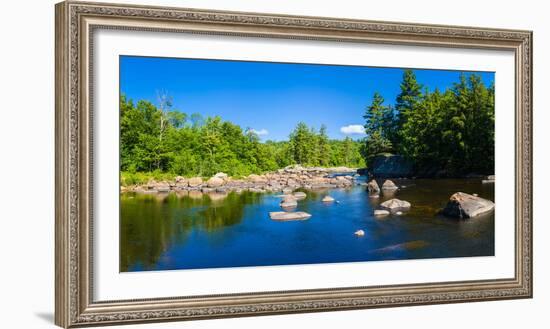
389, 185
359, 233
328, 198
381, 213
463, 205
300, 195
215, 182
373, 187
395, 205
289, 201
284, 215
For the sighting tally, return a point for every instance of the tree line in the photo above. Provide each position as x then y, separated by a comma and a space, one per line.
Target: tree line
450, 131
164, 140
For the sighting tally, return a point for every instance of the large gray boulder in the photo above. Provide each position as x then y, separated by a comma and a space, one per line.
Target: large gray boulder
395, 205
464, 205
389, 165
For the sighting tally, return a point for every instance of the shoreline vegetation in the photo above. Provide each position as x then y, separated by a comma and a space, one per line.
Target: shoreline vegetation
287, 180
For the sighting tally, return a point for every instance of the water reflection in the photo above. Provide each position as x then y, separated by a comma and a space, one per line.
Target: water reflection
190, 229
151, 224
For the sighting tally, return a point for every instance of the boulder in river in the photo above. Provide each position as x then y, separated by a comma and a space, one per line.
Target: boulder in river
215, 182
373, 187
327, 199
195, 181
289, 201
463, 205
284, 215
389, 185
395, 205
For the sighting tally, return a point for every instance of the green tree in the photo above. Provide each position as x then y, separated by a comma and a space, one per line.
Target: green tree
323, 147
379, 126
302, 143
406, 102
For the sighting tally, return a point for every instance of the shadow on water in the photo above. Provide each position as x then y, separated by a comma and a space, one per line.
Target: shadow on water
187, 230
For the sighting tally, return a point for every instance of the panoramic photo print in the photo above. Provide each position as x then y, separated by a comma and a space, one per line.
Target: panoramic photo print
240, 163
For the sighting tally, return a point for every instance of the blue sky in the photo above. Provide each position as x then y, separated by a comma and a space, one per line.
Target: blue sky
272, 98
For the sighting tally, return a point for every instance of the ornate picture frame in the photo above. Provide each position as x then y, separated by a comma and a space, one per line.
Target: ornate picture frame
76, 23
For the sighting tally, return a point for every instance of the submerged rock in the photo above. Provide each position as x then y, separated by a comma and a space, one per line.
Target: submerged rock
328, 198
395, 205
411, 245
463, 205
284, 215
389, 185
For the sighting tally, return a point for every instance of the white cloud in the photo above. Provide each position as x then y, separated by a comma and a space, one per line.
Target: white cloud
353, 130
261, 132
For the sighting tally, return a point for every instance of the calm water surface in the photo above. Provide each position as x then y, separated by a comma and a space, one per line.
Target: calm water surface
194, 230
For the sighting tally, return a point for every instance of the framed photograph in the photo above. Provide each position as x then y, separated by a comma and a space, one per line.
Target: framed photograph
217, 164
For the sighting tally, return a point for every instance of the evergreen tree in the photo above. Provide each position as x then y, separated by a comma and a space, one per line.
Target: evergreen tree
407, 100
379, 125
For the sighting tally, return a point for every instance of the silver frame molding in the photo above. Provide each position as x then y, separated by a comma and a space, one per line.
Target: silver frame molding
75, 23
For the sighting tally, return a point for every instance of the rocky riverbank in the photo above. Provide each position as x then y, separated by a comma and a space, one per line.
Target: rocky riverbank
286, 180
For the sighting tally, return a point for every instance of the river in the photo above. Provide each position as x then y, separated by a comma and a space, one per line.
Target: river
184, 230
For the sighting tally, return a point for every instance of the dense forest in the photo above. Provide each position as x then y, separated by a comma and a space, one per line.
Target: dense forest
161, 139
451, 130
